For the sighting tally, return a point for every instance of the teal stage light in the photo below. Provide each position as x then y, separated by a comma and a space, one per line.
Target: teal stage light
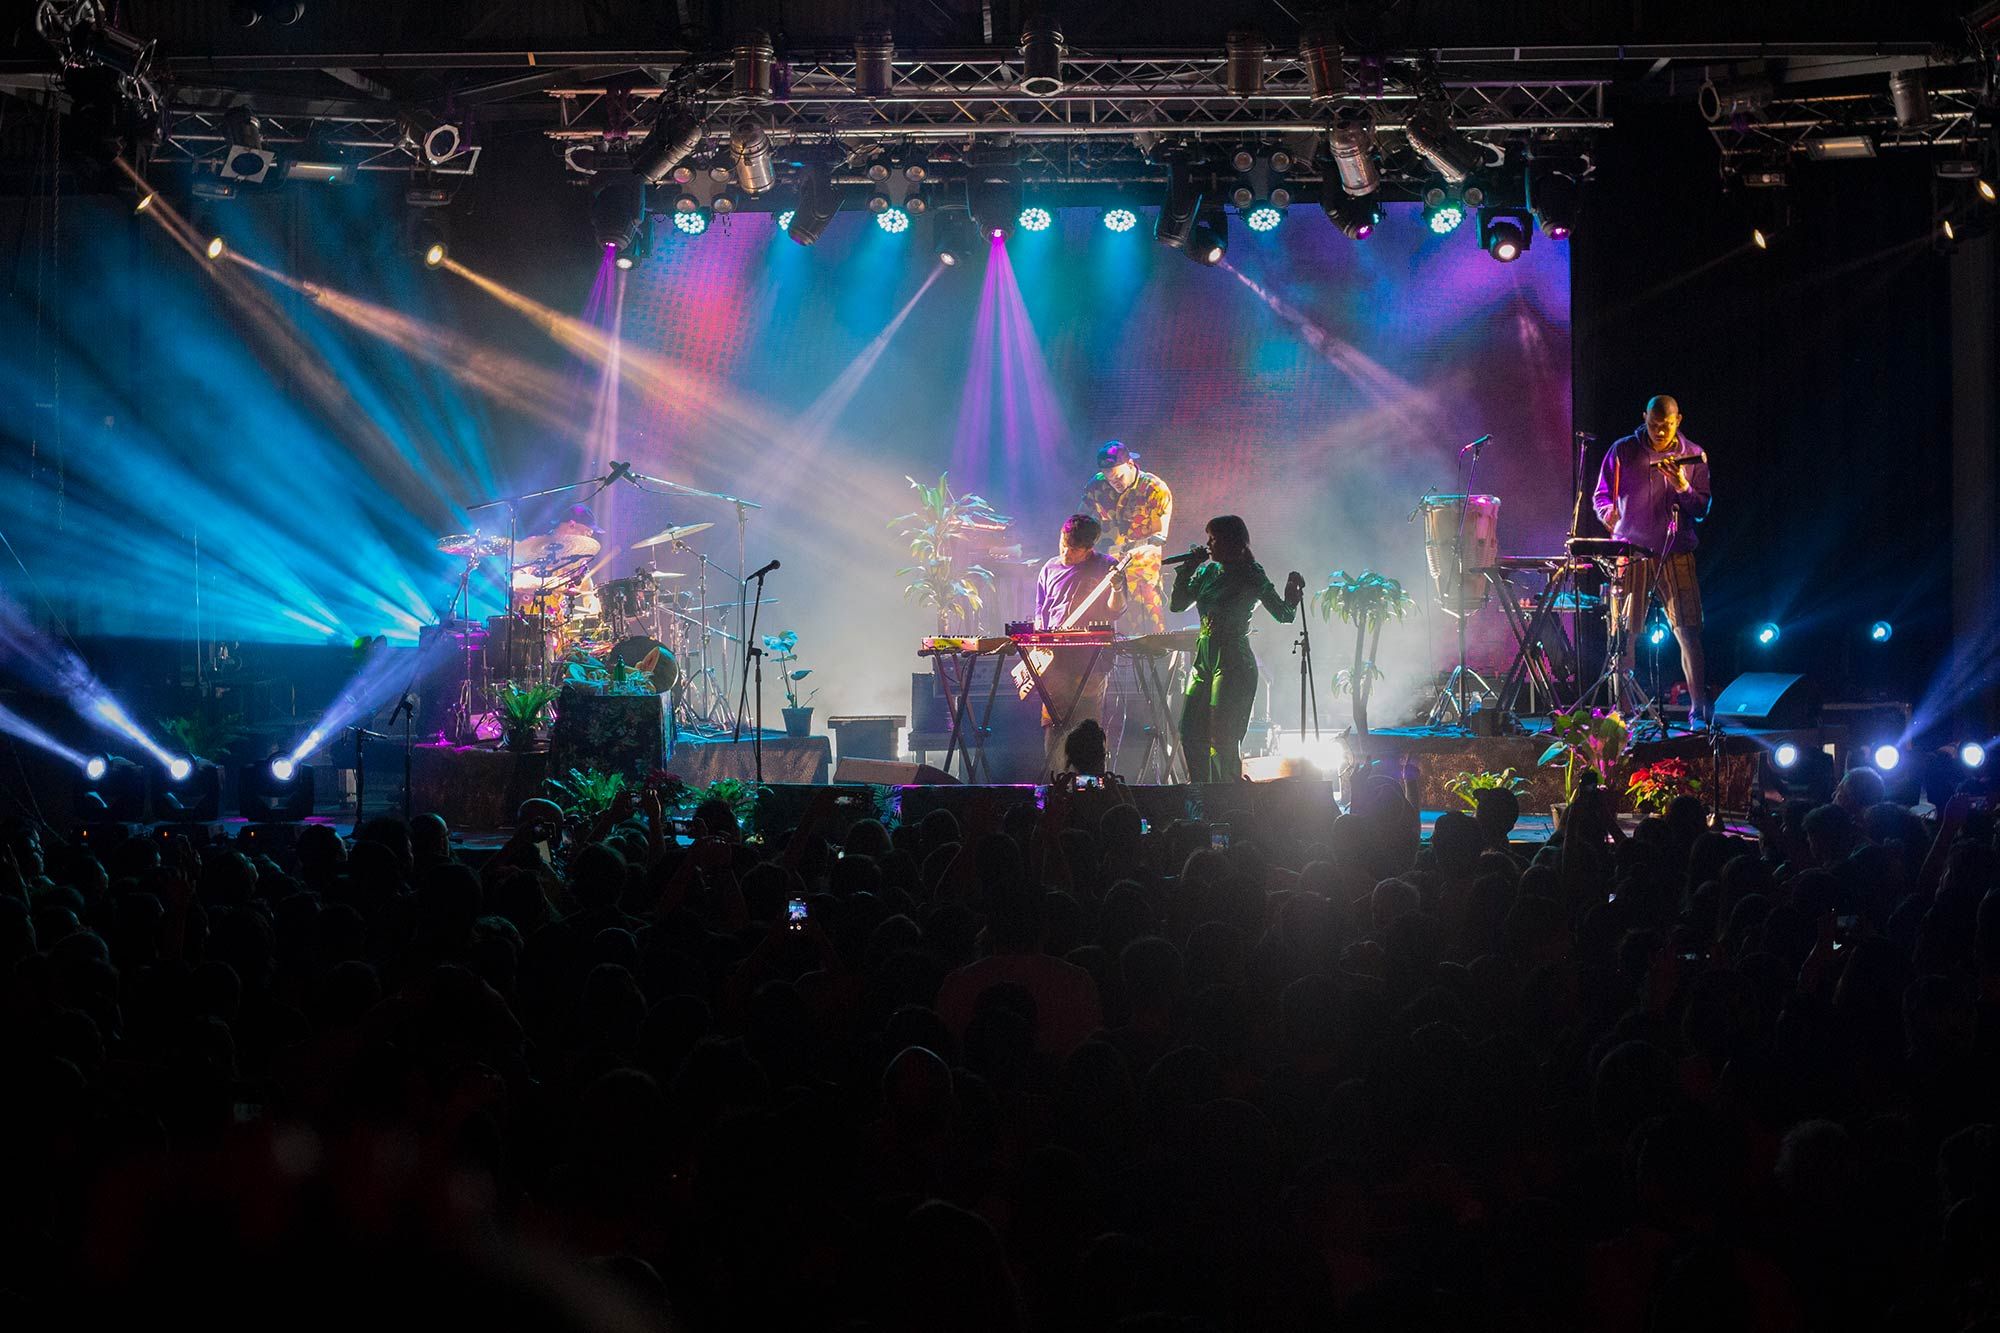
691, 221
1264, 217
1035, 218
785, 219
1881, 632
1767, 634
893, 220
1120, 219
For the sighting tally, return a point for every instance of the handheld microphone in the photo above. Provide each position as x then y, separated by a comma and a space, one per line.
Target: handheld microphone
760, 573
1196, 556
1474, 447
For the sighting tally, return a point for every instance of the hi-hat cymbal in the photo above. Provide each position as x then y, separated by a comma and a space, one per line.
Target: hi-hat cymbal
534, 550
667, 574
673, 535
473, 545
544, 573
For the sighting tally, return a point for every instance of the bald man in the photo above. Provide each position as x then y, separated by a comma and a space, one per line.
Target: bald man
1651, 492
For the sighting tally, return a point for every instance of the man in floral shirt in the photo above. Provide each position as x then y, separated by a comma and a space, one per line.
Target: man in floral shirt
1132, 507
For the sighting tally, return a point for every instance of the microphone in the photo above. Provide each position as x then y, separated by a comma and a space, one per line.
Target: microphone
760, 573
1196, 556
619, 470
1474, 447
406, 704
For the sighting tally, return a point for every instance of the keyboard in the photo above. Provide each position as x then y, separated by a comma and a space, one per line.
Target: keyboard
1159, 645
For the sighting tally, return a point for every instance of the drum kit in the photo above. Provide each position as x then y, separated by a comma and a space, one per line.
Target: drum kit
661, 623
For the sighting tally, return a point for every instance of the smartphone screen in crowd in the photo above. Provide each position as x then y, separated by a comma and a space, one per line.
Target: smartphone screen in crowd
795, 914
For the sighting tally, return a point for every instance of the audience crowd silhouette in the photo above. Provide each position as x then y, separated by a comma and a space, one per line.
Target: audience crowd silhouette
1012, 1069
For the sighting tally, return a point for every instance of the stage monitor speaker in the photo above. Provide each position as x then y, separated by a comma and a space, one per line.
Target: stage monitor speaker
890, 773
1769, 699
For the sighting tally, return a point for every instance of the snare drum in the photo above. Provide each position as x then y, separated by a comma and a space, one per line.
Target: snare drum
1461, 589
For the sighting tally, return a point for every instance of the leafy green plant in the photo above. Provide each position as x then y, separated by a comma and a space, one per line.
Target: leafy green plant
1467, 786
783, 649
522, 707
205, 736
586, 794
935, 529
1653, 788
1586, 741
741, 797
1367, 601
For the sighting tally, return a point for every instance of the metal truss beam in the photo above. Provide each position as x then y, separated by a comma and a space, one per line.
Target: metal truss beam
1786, 125
196, 139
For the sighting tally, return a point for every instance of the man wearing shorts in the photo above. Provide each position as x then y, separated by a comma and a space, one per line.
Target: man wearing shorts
1651, 492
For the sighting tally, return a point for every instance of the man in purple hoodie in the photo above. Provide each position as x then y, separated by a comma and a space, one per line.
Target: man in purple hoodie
1651, 492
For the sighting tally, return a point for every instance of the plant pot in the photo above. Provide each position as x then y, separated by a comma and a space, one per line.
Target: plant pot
1556, 814
521, 739
798, 722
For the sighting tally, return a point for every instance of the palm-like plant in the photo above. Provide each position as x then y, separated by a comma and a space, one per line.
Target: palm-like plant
934, 529
522, 706
586, 794
1367, 601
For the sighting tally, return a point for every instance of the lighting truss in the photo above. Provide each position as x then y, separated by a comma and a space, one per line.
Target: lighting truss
196, 138
1785, 124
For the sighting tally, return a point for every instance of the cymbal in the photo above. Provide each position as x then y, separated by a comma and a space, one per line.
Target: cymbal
544, 573
532, 550
667, 574
673, 535
474, 545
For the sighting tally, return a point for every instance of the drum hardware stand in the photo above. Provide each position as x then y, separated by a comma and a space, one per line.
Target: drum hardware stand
513, 504
1619, 684
406, 708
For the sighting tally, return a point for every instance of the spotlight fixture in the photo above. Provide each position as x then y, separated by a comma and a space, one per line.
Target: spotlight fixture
1120, 219
1209, 242
1451, 154
785, 219
874, 60
995, 205
1505, 233
180, 768
1786, 755
1244, 51
434, 254
629, 255
1175, 225
1263, 217
244, 158
1986, 190
891, 218
1886, 757
1553, 197
1972, 754
955, 242
1881, 632
624, 262
1356, 216
145, 201
282, 768
1910, 98
1840, 147
1319, 52
675, 135
689, 221
1352, 142
1444, 211
110, 789
1042, 57
96, 767
1035, 218
215, 247
751, 65
1766, 635
1656, 635
750, 150
1733, 99
279, 790
819, 200
617, 205
193, 792
1763, 237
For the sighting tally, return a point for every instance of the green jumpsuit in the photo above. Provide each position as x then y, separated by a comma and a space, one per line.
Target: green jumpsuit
1224, 684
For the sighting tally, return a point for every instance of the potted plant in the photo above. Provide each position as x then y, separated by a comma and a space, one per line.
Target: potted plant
1653, 788
1366, 601
1467, 786
934, 529
522, 709
584, 796
784, 650
1582, 741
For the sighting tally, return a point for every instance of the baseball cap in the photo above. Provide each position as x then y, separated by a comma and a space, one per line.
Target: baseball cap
1113, 452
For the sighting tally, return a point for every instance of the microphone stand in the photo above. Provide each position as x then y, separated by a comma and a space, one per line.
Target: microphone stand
1308, 687
407, 707
753, 653
743, 508
1458, 559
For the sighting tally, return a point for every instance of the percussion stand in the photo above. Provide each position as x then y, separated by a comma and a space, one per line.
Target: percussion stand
1453, 694
1619, 684
743, 508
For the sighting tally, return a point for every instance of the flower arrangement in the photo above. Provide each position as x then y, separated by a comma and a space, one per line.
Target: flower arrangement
1467, 786
1653, 788
1586, 742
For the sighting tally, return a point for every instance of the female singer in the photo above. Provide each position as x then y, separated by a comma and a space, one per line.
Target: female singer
1224, 580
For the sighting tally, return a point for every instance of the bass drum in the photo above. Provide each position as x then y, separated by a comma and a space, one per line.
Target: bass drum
651, 657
